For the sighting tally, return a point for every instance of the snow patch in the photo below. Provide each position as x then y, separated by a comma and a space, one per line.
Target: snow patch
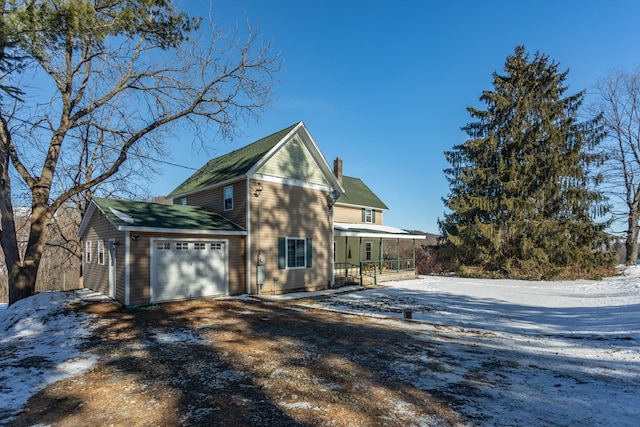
39, 345
122, 216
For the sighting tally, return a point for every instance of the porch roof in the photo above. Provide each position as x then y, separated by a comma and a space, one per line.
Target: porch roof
344, 229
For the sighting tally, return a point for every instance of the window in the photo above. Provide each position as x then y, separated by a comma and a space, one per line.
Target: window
368, 250
216, 246
183, 201
294, 252
164, 246
228, 198
87, 251
100, 252
182, 246
368, 215
199, 246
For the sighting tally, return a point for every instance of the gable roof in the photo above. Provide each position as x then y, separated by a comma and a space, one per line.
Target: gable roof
231, 165
158, 217
358, 194
246, 162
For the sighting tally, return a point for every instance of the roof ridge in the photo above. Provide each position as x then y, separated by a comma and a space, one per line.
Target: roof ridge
232, 164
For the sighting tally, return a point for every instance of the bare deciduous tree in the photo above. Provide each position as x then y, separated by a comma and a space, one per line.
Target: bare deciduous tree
110, 80
618, 98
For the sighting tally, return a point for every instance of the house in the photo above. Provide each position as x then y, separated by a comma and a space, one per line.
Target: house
272, 216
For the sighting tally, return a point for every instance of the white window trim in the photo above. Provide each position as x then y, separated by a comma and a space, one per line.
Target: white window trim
100, 252
368, 216
304, 243
225, 198
370, 251
87, 252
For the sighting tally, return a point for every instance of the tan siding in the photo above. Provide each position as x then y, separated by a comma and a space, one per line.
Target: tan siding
293, 161
353, 214
237, 265
139, 271
213, 199
96, 276
288, 211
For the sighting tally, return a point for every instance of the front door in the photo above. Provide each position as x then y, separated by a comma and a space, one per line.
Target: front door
112, 268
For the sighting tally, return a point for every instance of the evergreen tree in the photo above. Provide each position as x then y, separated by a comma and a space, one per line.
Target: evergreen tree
523, 196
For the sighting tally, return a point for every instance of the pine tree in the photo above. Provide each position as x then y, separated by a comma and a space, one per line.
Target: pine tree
523, 196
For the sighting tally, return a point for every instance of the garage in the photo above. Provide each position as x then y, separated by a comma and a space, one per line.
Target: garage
188, 268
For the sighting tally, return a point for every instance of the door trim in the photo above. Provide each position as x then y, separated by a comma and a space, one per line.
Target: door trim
112, 268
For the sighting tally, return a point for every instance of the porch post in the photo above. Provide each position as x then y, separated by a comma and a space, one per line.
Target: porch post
346, 255
414, 256
398, 252
380, 254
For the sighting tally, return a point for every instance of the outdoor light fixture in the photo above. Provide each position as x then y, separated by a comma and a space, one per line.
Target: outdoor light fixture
135, 237
258, 189
332, 197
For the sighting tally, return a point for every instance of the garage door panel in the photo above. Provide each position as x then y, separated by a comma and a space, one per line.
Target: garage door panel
188, 269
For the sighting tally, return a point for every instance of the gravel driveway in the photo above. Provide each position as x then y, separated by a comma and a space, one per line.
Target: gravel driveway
242, 362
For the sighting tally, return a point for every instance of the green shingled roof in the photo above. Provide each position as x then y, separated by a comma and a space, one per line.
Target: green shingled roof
357, 193
231, 165
139, 215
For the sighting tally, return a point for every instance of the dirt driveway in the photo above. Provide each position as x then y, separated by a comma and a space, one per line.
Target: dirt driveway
240, 362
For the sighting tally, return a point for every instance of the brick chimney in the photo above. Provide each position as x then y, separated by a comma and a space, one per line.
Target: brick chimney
337, 169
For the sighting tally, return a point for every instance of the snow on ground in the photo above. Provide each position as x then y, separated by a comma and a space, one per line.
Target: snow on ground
39, 343
519, 352
503, 352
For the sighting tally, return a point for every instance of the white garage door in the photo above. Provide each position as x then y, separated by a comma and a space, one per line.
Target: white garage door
187, 269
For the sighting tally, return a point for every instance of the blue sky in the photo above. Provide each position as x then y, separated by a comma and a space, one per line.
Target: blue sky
385, 84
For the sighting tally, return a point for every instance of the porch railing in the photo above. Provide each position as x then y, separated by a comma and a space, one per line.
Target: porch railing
374, 268
399, 264
353, 273
350, 272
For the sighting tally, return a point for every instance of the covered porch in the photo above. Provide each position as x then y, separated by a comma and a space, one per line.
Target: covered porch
367, 254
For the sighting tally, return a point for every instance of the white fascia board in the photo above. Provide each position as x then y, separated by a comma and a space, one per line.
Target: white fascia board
292, 182
86, 218
181, 231
348, 205
321, 161
306, 138
339, 233
372, 230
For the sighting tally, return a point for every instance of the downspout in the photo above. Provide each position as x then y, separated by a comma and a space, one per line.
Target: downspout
248, 240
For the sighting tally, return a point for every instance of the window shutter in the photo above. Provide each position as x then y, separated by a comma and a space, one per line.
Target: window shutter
309, 252
373, 216
282, 253
364, 215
